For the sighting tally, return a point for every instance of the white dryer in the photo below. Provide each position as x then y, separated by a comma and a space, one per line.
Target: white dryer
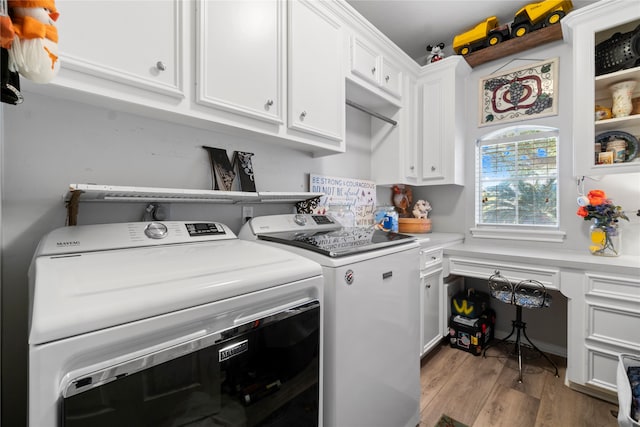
173, 323
371, 338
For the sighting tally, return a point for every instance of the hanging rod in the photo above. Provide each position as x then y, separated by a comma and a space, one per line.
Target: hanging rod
372, 113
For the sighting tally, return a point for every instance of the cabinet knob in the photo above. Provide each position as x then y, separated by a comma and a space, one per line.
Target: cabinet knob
160, 66
429, 286
373, 70
412, 167
269, 102
433, 168
386, 78
303, 115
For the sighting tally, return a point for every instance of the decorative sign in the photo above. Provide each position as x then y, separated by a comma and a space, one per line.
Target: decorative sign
351, 201
521, 94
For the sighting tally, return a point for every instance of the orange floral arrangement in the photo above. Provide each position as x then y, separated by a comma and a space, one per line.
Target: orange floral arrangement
601, 209
607, 216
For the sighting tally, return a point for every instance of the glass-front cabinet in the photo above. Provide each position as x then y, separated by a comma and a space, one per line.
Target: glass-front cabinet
606, 87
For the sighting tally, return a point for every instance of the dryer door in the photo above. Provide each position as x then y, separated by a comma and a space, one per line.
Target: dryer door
265, 372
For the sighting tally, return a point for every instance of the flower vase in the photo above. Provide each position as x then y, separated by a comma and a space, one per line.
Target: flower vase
622, 93
605, 239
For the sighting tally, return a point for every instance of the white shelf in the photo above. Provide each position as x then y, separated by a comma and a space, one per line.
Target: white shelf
619, 123
112, 193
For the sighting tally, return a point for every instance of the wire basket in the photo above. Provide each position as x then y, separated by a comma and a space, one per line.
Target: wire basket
619, 52
624, 390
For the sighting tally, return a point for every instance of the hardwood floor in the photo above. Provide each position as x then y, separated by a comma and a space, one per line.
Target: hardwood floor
484, 392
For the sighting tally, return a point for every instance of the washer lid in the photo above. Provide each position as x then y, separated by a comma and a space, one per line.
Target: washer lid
76, 293
340, 242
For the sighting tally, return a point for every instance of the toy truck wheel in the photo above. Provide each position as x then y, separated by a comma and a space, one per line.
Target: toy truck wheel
521, 30
464, 50
555, 17
494, 39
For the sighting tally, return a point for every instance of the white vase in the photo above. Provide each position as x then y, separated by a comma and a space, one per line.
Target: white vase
622, 93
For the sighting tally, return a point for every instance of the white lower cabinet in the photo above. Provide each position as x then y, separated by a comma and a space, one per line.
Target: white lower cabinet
605, 318
430, 291
435, 297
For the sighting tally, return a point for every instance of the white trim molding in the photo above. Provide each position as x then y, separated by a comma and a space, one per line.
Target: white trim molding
553, 236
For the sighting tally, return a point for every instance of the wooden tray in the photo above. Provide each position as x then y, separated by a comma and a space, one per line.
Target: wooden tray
414, 225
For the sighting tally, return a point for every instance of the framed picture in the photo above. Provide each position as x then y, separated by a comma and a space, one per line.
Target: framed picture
520, 94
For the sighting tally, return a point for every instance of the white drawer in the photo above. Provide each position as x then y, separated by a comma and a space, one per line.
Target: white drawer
611, 286
480, 268
430, 258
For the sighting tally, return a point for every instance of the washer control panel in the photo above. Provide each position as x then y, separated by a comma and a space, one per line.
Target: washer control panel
156, 230
100, 237
204, 229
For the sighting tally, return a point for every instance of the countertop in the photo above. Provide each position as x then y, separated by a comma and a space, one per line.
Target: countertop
580, 260
427, 240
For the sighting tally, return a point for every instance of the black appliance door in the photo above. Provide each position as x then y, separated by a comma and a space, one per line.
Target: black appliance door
263, 373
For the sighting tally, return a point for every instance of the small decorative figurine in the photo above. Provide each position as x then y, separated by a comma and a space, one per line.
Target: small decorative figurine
435, 53
402, 197
421, 209
34, 48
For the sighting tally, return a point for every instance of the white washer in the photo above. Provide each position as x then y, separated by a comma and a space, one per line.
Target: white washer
371, 338
113, 302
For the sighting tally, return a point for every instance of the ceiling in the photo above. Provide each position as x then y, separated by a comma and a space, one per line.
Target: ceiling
414, 24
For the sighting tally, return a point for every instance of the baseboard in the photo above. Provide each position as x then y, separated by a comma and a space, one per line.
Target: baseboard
606, 395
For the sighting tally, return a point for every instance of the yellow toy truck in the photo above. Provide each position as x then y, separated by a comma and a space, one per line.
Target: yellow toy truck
486, 33
537, 15
530, 18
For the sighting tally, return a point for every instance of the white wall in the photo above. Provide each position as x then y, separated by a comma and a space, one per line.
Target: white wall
51, 143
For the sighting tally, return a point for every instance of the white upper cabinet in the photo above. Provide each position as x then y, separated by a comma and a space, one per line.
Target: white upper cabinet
585, 29
390, 77
240, 57
364, 60
316, 90
368, 64
440, 158
106, 46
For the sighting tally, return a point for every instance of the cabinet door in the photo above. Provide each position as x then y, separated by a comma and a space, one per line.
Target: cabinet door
315, 79
130, 43
431, 286
452, 285
433, 130
443, 121
364, 61
391, 78
240, 57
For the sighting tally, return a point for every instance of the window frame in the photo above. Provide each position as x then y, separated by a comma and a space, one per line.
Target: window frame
528, 232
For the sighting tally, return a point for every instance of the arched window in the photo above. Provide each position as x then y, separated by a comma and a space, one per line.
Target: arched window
517, 178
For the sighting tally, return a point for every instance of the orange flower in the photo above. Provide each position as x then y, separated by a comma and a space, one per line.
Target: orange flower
597, 197
582, 211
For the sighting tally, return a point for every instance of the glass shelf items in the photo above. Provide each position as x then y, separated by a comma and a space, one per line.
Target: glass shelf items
585, 29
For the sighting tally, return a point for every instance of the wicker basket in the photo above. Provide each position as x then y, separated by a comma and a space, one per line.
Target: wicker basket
414, 225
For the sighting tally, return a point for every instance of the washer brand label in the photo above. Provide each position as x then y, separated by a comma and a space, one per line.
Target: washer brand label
68, 243
233, 350
348, 277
